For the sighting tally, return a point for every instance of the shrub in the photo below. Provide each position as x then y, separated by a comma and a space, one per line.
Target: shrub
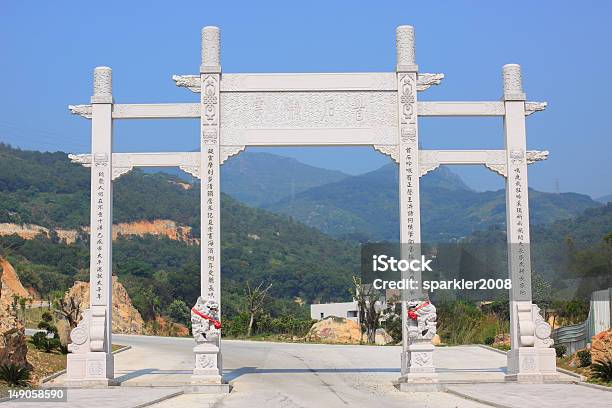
47, 317
561, 350
49, 328
585, 358
37, 339
15, 375
41, 342
489, 340
179, 312
602, 370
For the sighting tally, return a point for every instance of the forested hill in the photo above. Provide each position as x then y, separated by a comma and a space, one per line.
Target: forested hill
366, 207
257, 246
48, 190
573, 255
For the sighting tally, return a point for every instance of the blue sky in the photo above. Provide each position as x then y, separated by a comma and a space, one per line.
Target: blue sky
48, 51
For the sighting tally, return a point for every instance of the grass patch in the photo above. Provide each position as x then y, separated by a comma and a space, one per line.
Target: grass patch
564, 362
44, 363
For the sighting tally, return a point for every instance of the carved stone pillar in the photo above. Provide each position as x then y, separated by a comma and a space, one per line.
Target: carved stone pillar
417, 353
530, 359
93, 362
207, 351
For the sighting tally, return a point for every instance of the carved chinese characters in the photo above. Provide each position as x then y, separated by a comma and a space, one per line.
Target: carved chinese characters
210, 192
101, 191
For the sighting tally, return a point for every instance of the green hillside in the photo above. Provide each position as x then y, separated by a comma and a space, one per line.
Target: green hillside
256, 246
366, 207
48, 190
258, 179
573, 254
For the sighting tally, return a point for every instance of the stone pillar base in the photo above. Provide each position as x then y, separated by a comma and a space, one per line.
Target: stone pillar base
90, 369
207, 364
418, 371
532, 365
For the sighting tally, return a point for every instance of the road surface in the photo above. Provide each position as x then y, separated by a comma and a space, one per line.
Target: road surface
290, 375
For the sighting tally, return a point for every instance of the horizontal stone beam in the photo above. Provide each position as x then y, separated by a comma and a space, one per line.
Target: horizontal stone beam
192, 110
494, 160
189, 162
324, 82
484, 108
145, 111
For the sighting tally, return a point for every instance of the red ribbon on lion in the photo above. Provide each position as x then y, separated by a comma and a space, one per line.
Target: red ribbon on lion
412, 313
215, 322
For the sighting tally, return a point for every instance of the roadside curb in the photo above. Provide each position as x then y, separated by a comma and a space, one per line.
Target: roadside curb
475, 399
596, 386
581, 378
160, 399
484, 346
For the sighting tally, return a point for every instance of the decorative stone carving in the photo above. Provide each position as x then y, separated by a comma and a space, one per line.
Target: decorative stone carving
229, 151
517, 156
421, 321
407, 101
533, 329
211, 49
425, 168
103, 82
404, 42
97, 328
210, 101
500, 169
205, 323
512, 78
542, 329
425, 80
531, 107
82, 159
191, 82
299, 110
193, 170
79, 336
536, 155
120, 171
390, 150
81, 110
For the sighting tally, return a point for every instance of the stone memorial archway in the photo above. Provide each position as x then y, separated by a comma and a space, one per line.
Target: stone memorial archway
324, 109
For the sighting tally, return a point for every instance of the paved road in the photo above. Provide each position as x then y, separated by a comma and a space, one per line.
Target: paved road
311, 375
287, 375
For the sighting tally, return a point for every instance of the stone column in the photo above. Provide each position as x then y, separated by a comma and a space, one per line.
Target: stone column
530, 358
91, 358
207, 350
417, 352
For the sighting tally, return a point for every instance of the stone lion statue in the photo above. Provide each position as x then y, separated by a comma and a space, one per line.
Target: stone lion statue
421, 319
205, 323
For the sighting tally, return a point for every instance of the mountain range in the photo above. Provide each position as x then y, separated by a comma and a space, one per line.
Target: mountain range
366, 207
305, 264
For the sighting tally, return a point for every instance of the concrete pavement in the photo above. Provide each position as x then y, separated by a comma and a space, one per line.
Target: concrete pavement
268, 374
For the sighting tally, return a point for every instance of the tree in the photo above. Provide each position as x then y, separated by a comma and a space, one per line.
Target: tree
179, 311
70, 308
255, 301
369, 308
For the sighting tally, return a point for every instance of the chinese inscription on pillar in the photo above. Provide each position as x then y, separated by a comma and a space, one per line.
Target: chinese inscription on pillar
410, 234
520, 260
210, 194
101, 192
